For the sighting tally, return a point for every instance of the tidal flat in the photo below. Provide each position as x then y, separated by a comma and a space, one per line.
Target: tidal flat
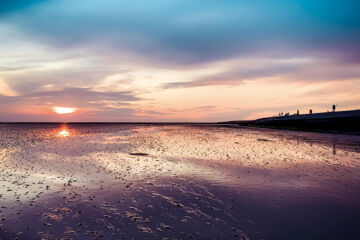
128, 181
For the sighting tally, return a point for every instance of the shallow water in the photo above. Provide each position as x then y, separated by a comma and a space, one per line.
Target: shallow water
108, 181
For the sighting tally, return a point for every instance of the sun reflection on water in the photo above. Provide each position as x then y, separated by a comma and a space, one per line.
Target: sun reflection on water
63, 133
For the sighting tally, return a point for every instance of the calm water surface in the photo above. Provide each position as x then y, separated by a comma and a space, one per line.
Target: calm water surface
176, 182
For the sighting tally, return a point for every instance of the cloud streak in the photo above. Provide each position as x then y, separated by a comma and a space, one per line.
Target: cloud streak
236, 76
303, 71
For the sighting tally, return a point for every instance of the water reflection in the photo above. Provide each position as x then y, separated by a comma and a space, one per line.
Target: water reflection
110, 180
64, 132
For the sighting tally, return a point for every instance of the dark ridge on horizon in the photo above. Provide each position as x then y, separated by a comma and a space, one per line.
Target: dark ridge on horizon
344, 122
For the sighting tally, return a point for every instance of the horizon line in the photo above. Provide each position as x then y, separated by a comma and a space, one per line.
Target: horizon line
97, 122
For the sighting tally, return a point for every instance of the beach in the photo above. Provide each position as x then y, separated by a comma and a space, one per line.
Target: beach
144, 181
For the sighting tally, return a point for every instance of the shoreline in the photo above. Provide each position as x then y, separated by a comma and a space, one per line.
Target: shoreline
343, 122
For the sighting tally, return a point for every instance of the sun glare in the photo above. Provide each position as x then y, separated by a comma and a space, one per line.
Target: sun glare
64, 133
64, 110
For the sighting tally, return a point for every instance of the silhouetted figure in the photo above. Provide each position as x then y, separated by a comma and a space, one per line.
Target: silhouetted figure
297, 112
333, 107
310, 111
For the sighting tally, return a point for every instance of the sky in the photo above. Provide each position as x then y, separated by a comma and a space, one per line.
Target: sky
176, 60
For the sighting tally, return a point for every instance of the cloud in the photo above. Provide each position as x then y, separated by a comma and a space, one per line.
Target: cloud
80, 96
187, 32
5, 89
285, 70
235, 76
71, 75
325, 72
90, 102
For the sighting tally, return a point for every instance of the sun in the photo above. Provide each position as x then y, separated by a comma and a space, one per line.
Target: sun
64, 110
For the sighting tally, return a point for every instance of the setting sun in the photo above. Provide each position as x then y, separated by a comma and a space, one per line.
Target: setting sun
64, 110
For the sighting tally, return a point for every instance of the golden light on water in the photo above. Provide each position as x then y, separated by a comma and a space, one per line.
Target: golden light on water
64, 133
64, 110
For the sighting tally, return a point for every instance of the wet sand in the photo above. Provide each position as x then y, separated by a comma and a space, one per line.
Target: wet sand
116, 181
